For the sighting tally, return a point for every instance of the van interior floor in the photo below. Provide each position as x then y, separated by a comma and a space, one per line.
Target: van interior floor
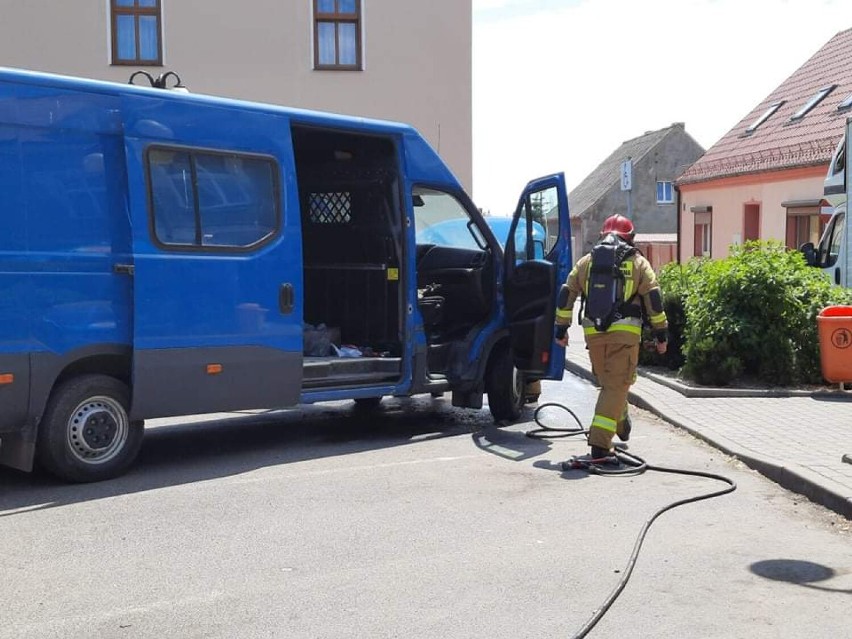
320, 372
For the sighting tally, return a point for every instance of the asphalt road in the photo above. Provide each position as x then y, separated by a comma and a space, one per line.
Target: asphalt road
419, 520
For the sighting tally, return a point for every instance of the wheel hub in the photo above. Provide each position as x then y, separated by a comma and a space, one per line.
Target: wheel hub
99, 430
96, 430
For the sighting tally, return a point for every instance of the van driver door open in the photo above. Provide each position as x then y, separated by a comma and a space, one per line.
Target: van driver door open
534, 269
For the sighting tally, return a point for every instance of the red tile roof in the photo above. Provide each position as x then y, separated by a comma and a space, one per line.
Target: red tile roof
779, 143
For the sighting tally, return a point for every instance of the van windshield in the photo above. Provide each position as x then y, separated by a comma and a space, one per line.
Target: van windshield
832, 240
439, 218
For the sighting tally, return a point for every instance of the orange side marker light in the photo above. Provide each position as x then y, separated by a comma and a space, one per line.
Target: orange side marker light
214, 369
6, 378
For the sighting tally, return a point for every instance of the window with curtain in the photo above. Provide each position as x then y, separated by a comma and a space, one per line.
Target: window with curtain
136, 32
804, 224
337, 34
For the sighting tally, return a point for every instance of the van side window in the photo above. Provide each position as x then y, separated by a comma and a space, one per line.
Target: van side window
212, 200
540, 223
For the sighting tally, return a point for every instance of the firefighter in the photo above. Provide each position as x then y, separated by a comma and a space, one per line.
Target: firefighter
614, 351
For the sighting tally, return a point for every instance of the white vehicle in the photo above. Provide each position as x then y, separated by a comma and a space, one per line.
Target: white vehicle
834, 253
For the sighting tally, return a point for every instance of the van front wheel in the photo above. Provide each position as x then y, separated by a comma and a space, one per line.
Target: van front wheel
505, 387
86, 434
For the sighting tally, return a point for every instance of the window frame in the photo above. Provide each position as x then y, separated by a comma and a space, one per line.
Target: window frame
337, 18
136, 12
794, 218
202, 248
814, 100
770, 111
670, 199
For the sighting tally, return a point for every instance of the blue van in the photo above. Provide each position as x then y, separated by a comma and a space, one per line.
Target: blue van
166, 254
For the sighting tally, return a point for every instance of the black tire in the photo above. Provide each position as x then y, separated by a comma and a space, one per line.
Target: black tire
108, 445
505, 387
367, 403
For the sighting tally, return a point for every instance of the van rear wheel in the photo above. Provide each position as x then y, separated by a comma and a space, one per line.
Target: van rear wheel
505, 387
86, 434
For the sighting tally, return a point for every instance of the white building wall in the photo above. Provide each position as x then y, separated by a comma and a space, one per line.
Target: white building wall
417, 57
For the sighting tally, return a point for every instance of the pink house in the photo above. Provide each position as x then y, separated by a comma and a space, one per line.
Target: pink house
764, 178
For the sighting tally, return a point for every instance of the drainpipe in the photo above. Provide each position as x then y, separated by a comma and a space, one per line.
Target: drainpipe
679, 205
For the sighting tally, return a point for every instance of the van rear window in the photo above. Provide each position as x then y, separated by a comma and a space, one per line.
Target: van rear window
212, 200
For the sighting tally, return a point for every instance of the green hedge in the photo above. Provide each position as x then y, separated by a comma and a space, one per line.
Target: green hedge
752, 314
674, 281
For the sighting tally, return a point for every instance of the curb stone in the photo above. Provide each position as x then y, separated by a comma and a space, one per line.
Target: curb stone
796, 479
715, 391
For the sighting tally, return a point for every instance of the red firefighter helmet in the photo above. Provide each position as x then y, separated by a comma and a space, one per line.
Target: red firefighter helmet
619, 225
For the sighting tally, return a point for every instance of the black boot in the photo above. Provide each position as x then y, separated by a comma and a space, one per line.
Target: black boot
626, 427
603, 458
600, 453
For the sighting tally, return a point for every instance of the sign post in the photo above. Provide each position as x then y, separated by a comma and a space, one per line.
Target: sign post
627, 183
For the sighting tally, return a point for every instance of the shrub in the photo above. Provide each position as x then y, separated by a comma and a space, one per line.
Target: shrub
754, 314
675, 280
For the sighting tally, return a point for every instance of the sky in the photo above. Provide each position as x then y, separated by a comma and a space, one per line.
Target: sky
558, 85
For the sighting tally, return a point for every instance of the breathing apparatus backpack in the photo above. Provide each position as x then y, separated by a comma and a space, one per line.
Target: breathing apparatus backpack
603, 301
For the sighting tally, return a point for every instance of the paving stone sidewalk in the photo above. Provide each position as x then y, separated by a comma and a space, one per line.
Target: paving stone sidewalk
802, 441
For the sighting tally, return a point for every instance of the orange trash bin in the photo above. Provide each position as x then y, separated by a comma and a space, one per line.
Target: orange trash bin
834, 325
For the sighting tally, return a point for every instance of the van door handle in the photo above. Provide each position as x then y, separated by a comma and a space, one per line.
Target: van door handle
124, 269
286, 298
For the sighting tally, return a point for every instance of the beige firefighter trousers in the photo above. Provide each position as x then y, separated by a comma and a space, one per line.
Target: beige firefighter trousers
614, 366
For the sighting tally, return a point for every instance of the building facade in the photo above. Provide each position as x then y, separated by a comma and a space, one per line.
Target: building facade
764, 178
657, 158
386, 59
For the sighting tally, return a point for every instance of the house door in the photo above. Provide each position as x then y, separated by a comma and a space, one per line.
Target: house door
751, 222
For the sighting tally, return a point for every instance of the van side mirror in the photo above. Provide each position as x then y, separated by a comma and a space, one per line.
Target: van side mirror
809, 252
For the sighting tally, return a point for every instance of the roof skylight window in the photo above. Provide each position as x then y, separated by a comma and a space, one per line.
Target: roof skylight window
845, 104
763, 118
810, 104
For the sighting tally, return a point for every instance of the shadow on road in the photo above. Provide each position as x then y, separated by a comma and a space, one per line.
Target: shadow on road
796, 571
508, 444
519, 446
189, 452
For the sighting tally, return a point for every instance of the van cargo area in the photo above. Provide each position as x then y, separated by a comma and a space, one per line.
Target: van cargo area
351, 217
350, 214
